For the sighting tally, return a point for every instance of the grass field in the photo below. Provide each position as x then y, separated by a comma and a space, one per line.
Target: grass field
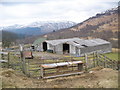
113, 55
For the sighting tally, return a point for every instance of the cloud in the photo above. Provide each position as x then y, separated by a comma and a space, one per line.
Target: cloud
27, 11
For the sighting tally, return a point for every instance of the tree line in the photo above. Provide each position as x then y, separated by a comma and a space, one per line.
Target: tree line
8, 38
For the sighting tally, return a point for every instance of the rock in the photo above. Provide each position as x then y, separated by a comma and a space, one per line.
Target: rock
91, 71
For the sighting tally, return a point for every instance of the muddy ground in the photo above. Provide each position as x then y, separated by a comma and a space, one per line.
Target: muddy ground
96, 78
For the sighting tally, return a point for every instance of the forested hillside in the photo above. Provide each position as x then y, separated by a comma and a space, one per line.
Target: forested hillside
8, 38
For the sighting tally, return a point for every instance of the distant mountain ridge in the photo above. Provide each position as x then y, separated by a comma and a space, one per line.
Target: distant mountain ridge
38, 28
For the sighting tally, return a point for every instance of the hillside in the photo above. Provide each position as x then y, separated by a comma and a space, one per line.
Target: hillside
8, 38
103, 25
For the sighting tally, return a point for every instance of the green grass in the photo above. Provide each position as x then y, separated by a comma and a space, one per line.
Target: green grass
113, 55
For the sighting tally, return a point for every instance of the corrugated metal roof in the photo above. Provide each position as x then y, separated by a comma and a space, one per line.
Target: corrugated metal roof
100, 41
59, 41
92, 42
81, 43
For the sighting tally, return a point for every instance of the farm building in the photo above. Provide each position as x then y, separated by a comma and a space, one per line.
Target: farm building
37, 43
75, 46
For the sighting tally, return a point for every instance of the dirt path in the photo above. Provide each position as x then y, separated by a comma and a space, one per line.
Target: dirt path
96, 78
46, 55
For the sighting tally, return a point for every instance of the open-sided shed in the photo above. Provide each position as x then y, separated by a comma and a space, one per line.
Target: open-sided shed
76, 46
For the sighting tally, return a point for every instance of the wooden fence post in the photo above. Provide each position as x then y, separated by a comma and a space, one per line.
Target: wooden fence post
24, 64
41, 72
2, 56
28, 69
94, 58
86, 62
97, 59
104, 62
23, 60
80, 67
8, 59
118, 65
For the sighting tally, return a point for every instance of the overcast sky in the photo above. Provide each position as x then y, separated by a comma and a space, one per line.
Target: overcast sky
27, 11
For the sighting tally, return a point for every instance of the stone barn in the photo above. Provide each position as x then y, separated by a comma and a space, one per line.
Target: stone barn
76, 46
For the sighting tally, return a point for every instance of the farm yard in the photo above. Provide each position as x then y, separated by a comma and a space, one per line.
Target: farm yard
33, 65
100, 76
97, 78
59, 46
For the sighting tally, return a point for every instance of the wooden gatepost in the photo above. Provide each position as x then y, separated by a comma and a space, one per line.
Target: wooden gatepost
22, 59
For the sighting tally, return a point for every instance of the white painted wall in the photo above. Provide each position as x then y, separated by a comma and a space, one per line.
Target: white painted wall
79, 51
48, 46
40, 47
59, 49
72, 49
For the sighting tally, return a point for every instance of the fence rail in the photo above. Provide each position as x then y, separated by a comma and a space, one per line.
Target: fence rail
31, 67
107, 62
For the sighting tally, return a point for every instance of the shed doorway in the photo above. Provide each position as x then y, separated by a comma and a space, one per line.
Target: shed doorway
66, 48
44, 46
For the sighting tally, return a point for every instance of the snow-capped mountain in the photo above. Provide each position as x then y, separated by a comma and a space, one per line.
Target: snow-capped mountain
38, 28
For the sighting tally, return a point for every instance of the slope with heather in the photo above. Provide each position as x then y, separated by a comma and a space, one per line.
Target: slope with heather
103, 25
